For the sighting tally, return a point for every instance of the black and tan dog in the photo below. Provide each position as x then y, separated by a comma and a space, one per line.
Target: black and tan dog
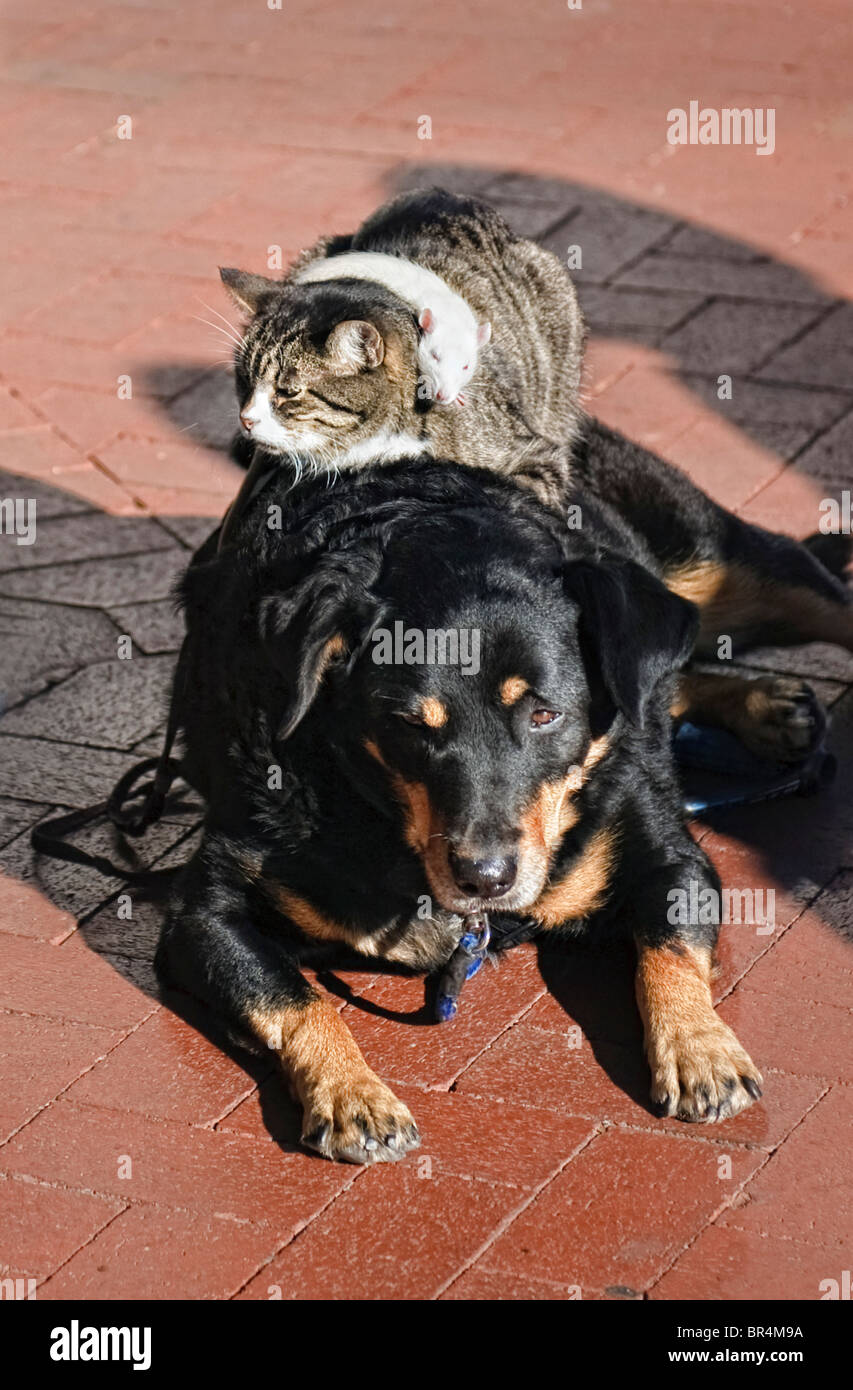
344, 792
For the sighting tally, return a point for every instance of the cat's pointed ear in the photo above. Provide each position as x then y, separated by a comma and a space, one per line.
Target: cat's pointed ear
354, 346
426, 321
484, 333
245, 288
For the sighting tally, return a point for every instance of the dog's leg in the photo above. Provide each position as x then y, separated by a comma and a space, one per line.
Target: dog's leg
211, 949
794, 600
777, 717
773, 590
699, 1070
752, 585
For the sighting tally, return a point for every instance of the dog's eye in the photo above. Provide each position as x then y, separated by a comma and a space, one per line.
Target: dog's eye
408, 717
540, 718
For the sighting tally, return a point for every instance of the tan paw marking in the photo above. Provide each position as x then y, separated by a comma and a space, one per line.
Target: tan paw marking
781, 718
361, 1121
348, 1113
699, 1070
703, 1076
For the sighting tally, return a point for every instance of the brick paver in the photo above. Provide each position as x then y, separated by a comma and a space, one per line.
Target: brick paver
138, 1158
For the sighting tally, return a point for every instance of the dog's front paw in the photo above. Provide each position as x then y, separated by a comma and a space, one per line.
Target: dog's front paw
702, 1075
358, 1120
781, 719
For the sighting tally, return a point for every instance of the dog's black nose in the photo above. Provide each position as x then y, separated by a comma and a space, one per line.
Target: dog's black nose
484, 878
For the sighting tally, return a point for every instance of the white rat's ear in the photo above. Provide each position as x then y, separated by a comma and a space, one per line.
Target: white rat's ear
426, 320
484, 333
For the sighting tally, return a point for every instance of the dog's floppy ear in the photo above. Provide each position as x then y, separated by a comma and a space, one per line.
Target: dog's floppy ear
324, 620
636, 629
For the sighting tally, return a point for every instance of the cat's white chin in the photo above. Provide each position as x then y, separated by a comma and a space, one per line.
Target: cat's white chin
287, 442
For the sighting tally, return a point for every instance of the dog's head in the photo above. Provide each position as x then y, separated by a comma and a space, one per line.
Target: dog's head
487, 672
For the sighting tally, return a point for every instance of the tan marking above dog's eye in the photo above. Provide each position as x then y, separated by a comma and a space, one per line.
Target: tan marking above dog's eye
541, 718
433, 712
512, 690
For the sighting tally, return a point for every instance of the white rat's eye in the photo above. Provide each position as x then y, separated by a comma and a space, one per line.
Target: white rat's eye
435, 357
466, 368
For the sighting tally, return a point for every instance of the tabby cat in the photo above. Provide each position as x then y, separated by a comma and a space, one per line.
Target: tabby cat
327, 372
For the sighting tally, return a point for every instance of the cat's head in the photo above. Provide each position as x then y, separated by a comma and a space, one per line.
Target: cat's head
322, 367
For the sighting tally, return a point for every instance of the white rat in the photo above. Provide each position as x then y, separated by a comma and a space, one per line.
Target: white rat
450, 335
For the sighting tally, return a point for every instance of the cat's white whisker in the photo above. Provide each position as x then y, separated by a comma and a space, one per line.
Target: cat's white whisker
241, 337
238, 342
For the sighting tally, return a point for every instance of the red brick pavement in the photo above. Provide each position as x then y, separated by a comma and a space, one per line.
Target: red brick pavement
137, 1158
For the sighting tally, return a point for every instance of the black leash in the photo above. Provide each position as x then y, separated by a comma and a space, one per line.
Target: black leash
50, 837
